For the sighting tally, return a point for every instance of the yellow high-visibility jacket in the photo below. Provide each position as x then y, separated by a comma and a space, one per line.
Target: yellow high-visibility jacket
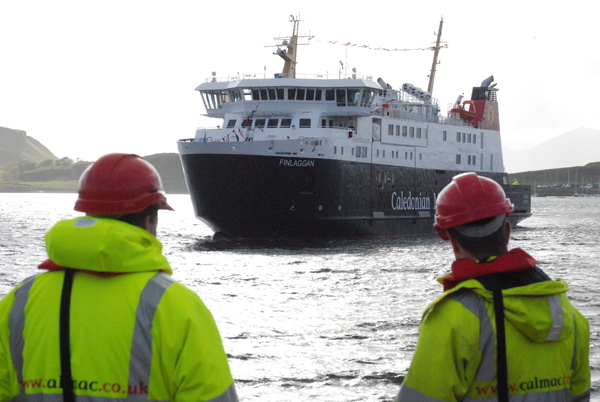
547, 346
135, 333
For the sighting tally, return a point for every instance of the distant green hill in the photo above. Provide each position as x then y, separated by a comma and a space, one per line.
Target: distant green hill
28, 166
170, 170
17, 146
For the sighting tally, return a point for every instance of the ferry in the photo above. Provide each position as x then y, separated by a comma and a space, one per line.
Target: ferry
343, 157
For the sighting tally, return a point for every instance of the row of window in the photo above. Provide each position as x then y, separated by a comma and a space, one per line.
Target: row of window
407, 131
362, 152
466, 138
342, 96
471, 159
269, 123
282, 123
408, 155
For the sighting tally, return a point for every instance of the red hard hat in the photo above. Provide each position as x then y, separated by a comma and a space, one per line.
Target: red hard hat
469, 198
120, 184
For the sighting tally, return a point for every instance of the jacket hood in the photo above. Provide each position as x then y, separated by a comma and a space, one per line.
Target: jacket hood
104, 245
541, 311
538, 307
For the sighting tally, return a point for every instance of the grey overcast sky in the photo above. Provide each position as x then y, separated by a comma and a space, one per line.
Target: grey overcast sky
90, 77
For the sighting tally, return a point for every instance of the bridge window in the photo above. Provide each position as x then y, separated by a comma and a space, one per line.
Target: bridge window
353, 97
231, 123
412, 132
340, 95
286, 123
390, 129
211, 100
260, 123
329, 95
458, 159
418, 132
235, 95
273, 123
366, 97
304, 123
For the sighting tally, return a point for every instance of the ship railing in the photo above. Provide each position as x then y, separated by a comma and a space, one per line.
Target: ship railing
407, 115
327, 76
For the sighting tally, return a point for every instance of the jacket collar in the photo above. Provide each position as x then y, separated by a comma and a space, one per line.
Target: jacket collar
514, 261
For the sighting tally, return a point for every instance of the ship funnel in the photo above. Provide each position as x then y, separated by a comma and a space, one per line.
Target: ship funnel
486, 83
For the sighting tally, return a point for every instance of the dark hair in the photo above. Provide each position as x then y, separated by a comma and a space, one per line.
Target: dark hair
483, 247
138, 218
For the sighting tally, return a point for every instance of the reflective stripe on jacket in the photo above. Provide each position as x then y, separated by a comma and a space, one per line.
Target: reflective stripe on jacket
547, 344
138, 335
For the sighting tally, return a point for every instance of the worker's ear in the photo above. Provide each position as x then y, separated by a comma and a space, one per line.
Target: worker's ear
148, 225
442, 233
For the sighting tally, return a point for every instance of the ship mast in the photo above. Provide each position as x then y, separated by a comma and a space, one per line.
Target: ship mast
289, 55
436, 51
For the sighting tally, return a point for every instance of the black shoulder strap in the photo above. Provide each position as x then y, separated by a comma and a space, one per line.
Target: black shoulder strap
66, 377
501, 364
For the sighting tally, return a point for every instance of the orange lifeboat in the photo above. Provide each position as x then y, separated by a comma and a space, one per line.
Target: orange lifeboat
464, 113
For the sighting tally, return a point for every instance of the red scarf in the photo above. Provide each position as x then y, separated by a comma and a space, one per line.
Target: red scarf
514, 261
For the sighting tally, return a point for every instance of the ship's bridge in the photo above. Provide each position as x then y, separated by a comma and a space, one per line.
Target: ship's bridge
289, 96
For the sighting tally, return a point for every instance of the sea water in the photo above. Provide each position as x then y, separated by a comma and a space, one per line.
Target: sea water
324, 320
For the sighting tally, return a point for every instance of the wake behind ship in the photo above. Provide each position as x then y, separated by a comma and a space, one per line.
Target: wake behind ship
336, 158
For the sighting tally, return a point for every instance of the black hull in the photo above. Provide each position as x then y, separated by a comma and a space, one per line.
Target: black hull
265, 197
